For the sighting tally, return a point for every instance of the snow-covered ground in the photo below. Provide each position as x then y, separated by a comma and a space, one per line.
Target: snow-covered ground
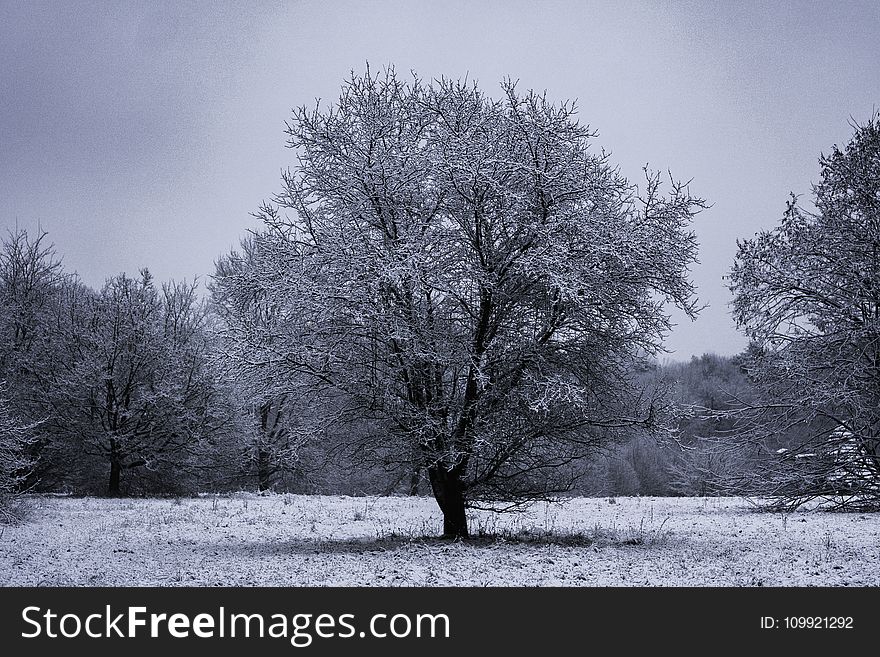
296, 540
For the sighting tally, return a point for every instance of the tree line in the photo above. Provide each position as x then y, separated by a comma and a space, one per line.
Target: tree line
128, 389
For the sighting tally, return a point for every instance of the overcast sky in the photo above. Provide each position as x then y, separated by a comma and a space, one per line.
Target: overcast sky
144, 133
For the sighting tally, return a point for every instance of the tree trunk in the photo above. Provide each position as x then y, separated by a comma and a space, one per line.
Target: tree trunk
115, 471
449, 492
264, 473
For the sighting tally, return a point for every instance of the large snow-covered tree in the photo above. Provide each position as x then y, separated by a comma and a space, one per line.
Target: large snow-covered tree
808, 294
467, 279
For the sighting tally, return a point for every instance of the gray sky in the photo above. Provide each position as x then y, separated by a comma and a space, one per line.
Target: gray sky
144, 133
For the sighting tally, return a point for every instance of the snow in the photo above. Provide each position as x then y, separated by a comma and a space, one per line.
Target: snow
295, 540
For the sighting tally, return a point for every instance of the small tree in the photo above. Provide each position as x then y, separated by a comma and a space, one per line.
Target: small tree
808, 294
466, 278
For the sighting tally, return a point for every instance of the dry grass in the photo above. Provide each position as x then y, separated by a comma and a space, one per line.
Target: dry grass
293, 540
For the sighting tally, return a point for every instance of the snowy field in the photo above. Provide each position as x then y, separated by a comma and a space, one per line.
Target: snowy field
295, 540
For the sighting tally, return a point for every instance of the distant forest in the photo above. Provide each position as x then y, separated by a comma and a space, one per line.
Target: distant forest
124, 391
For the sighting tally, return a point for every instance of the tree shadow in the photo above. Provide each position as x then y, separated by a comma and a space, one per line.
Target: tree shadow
391, 543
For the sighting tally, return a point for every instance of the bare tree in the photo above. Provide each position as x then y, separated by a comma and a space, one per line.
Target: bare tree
118, 377
31, 287
30, 273
467, 278
808, 294
31, 278
134, 388
15, 462
276, 431
710, 393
